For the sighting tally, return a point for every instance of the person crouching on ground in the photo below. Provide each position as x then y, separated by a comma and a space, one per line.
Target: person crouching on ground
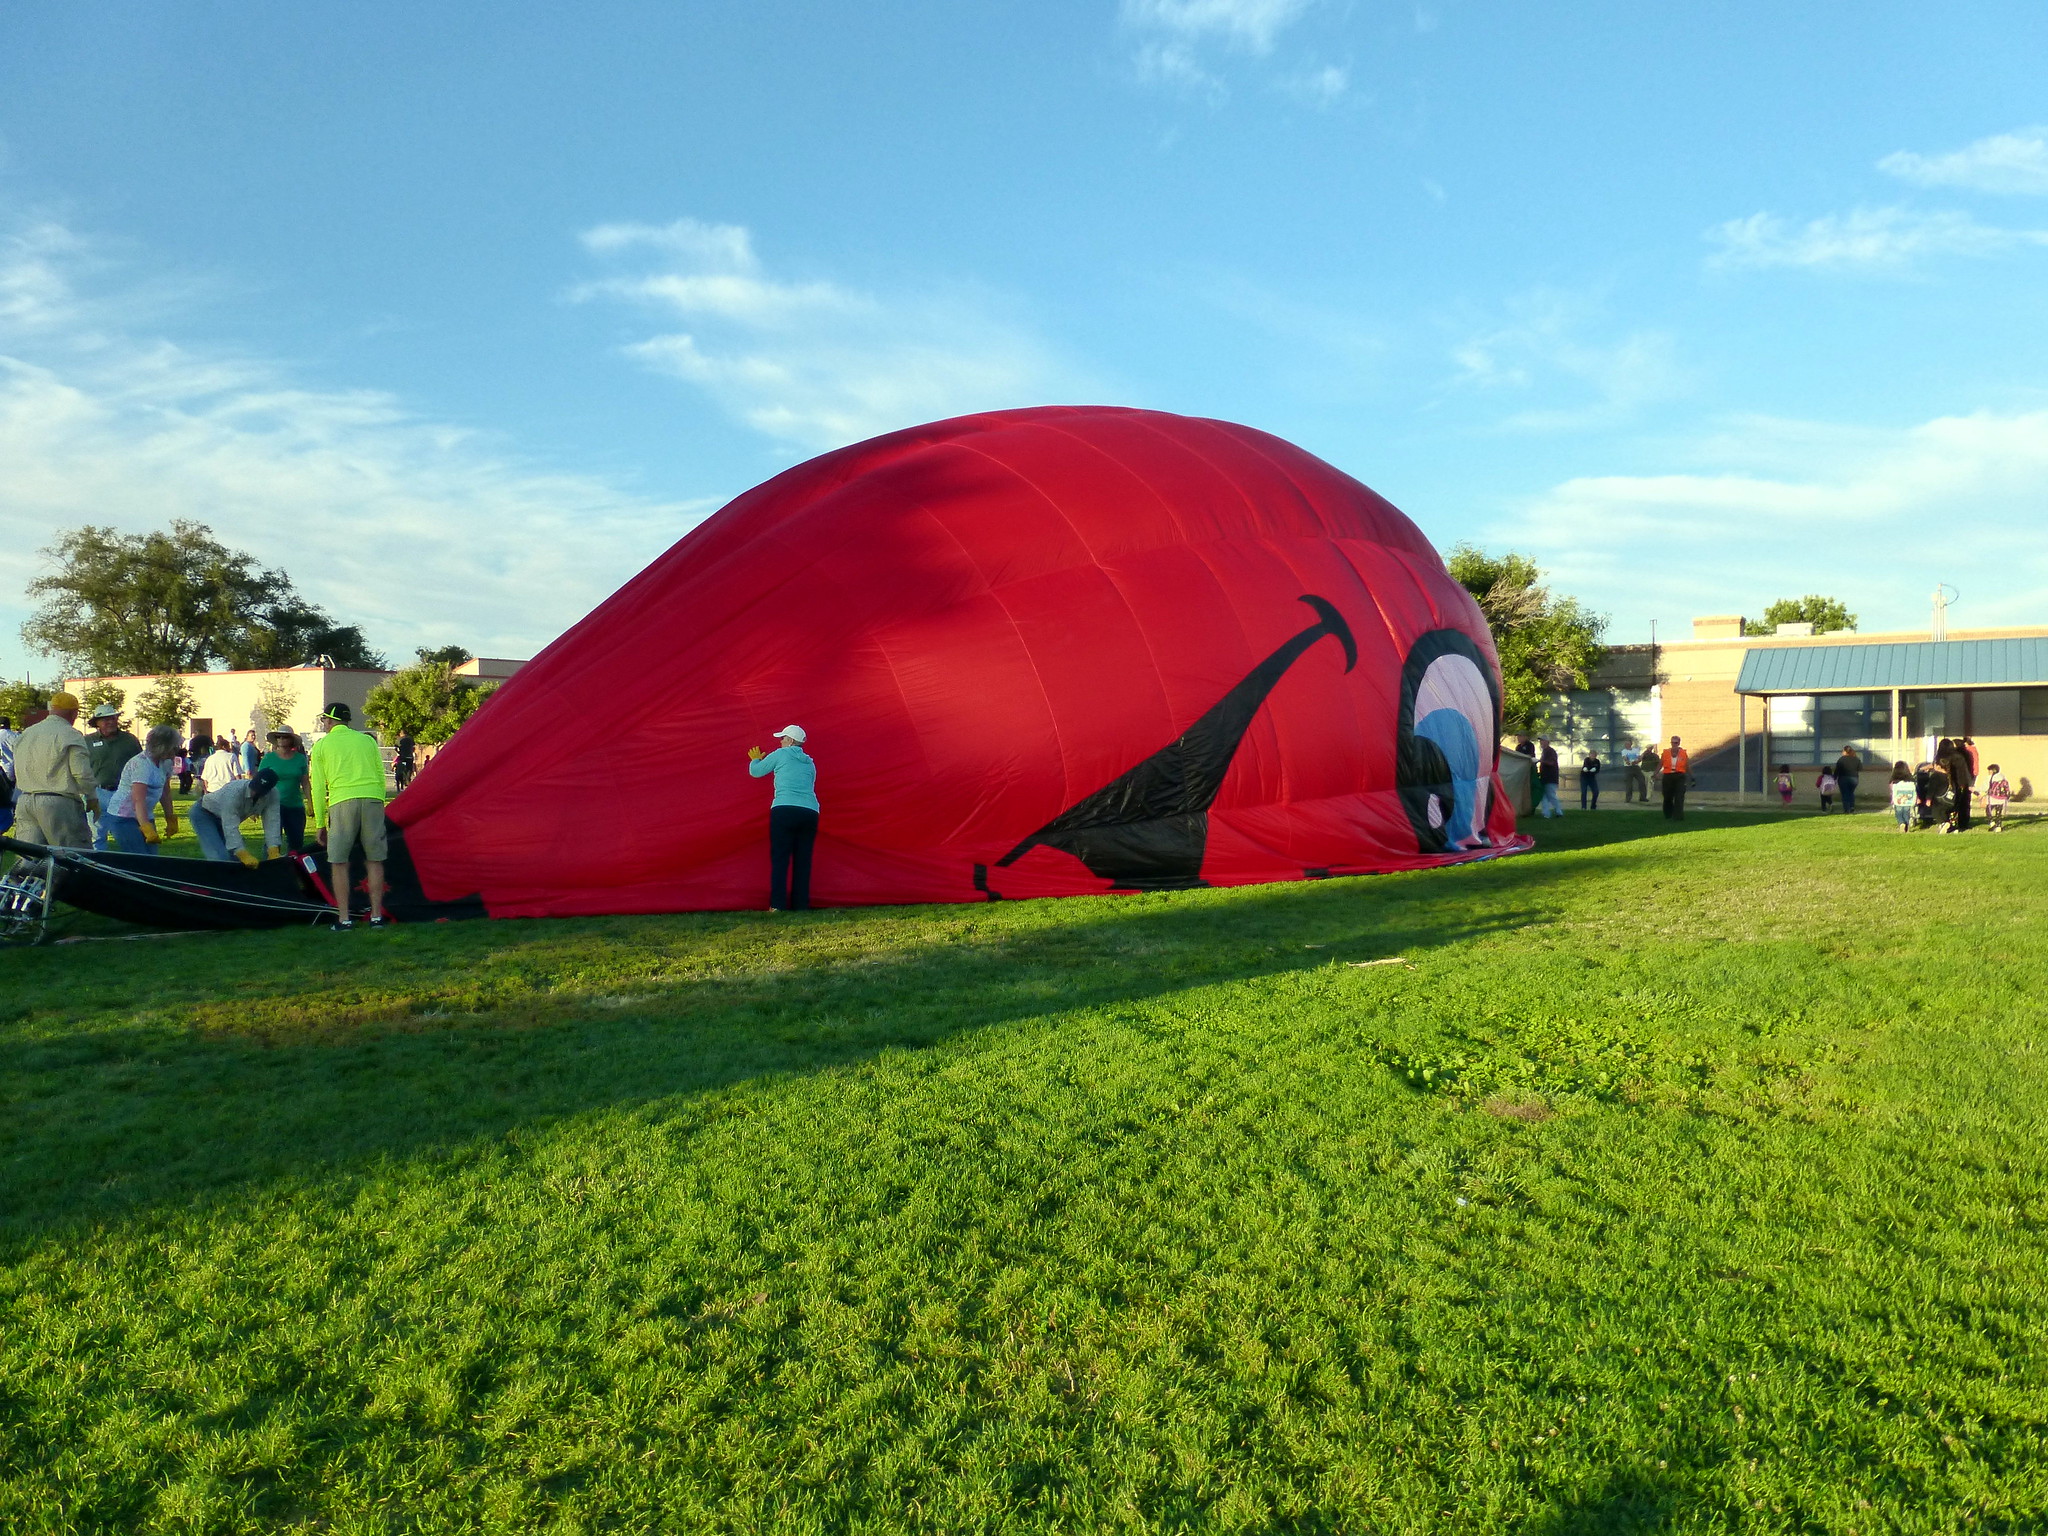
346, 777
792, 819
217, 819
1905, 795
1997, 791
286, 761
1546, 774
129, 819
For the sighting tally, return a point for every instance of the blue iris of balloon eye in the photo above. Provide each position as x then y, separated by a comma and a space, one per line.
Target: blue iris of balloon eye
1452, 733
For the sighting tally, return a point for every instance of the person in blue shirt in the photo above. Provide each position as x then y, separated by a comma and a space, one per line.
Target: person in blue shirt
792, 819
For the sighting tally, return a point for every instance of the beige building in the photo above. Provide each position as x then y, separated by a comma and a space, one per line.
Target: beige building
1745, 705
246, 701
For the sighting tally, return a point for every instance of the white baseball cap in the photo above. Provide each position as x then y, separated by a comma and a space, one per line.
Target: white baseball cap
791, 732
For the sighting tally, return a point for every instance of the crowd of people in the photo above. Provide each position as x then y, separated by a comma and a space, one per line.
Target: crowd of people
62, 788
1670, 767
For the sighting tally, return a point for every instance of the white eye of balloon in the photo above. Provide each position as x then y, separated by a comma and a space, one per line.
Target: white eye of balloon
1454, 709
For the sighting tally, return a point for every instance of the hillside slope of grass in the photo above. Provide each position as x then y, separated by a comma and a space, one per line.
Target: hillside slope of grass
1659, 1180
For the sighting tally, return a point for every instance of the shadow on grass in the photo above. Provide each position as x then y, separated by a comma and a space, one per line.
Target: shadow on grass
132, 1105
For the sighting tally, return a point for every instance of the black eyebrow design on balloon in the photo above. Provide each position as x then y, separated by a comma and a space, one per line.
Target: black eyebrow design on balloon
1148, 828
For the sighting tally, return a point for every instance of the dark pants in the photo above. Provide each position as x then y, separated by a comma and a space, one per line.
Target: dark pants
291, 820
1674, 796
1848, 795
1961, 814
1635, 787
1589, 791
792, 829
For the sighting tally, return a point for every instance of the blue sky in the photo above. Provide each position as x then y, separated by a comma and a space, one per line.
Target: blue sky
461, 315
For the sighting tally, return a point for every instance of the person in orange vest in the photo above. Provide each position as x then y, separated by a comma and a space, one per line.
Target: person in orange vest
1675, 766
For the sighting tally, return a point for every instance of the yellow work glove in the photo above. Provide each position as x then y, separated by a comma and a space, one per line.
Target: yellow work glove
271, 852
755, 754
247, 858
149, 831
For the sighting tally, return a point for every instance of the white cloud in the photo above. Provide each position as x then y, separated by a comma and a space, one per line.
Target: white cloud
2014, 162
1771, 508
421, 532
1873, 239
813, 362
1584, 383
1249, 25
1179, 44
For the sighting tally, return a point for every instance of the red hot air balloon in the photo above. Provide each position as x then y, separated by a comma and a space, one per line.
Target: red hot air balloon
1038, 653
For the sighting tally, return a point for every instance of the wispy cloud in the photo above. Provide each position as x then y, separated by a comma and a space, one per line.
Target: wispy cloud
811, 361
1771, 508
1891, 239
1181, 44
1544, 349
2015, 162
420, 531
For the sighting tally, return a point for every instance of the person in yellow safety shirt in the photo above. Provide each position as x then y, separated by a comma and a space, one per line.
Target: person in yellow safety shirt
53, 774
345, 780
1675, 767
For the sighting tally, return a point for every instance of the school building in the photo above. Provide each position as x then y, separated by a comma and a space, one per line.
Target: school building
1744, 704
274, 698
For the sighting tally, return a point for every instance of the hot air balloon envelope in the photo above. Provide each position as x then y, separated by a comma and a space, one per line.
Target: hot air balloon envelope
1038, 653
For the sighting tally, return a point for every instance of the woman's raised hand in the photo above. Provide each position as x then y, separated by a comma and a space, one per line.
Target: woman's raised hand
755, 754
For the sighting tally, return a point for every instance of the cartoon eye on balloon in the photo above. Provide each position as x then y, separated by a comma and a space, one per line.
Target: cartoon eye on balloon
1449, 731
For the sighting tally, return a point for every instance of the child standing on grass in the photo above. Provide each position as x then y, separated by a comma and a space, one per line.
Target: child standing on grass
1996, 793
1785, 783
1824, 781
1905, 795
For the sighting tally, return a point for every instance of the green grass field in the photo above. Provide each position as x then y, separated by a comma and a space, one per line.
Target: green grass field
1660, 1180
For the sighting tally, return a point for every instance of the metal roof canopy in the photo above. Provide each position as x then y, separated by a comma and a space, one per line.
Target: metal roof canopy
1908, 664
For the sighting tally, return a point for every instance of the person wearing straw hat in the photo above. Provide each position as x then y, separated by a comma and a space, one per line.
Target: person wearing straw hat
792, 818
53, 778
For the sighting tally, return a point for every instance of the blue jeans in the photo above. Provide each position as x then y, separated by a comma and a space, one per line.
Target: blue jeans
126, 833
1589, 791
206, 827
1550, 807
1848, 795
105, 798
291, 820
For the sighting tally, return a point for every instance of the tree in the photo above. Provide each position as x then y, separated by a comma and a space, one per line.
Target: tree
17, 699
1825, 614
177, 601
1547, 644
429, 701
168, 701
99, 691
447, 655
275, 700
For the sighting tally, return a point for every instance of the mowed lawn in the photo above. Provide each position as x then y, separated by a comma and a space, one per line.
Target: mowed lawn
1665, 1179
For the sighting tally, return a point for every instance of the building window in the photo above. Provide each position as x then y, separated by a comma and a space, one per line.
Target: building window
1976, 712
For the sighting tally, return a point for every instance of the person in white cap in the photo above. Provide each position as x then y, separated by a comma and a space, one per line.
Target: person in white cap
792, 818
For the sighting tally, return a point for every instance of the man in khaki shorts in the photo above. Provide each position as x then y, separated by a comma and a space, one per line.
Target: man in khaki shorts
345, 779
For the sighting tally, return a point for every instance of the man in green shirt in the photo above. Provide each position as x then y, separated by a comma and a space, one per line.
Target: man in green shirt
346, 784
108, 748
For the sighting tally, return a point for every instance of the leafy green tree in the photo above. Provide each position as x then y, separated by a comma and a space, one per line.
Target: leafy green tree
1547, 644
99, 691
275, 700
1826, 614
17, 699
177, 601
168, 701
428, 700
447, 655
